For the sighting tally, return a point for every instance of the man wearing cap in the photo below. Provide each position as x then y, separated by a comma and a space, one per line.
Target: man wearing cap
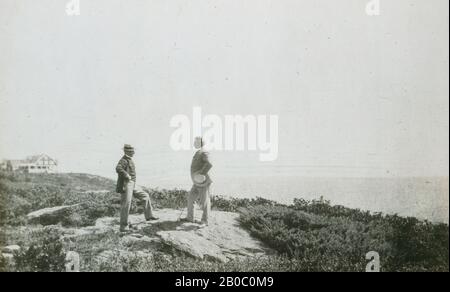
200, 167
126, 186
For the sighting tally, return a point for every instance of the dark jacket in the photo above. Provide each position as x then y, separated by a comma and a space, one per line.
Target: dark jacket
124, 168
201, 165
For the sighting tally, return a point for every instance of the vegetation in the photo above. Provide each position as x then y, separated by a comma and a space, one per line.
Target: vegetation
160, 262
333, 238
21, 194
308, 235
44, 253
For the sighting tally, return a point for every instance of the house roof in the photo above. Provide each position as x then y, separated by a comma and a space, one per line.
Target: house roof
33, 159
29, 160
36, 158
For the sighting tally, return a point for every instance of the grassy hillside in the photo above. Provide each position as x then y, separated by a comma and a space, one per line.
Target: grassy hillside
21, 194
309, 236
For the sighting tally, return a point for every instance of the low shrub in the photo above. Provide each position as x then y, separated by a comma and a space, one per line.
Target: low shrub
43, 253
321, 237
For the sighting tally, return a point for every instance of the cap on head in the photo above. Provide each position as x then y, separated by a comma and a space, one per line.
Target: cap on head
198, 142
128, 147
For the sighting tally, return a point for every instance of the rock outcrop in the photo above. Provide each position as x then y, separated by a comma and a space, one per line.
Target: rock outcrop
11, 249
50, 216
7, 252
222, 240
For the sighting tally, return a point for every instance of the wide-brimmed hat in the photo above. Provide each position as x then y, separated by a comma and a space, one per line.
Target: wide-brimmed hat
128, 147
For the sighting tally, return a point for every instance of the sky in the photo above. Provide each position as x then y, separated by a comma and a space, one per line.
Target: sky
356, 95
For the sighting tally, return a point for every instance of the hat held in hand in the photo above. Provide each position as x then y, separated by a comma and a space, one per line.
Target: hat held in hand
199, 178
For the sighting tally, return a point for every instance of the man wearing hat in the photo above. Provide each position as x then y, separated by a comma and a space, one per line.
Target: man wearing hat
200, 167
126, 186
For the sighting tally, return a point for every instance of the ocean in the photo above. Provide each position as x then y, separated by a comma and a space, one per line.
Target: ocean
423, 197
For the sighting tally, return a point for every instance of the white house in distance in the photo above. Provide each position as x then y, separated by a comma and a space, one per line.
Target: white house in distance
33, 164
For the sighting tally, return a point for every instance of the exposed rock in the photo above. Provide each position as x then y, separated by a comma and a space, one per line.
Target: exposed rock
49, 216
72, 262
8, 257
223, 239
10, 249
140, 242
191, 244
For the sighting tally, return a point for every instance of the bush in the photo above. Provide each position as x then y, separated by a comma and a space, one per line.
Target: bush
4, 264
320, 237
174, 199
234, 204
44, 253
422, 246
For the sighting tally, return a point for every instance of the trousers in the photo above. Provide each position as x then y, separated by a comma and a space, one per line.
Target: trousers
131, 190
200, 193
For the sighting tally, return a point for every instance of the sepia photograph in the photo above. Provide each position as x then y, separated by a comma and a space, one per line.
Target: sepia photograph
224, 136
